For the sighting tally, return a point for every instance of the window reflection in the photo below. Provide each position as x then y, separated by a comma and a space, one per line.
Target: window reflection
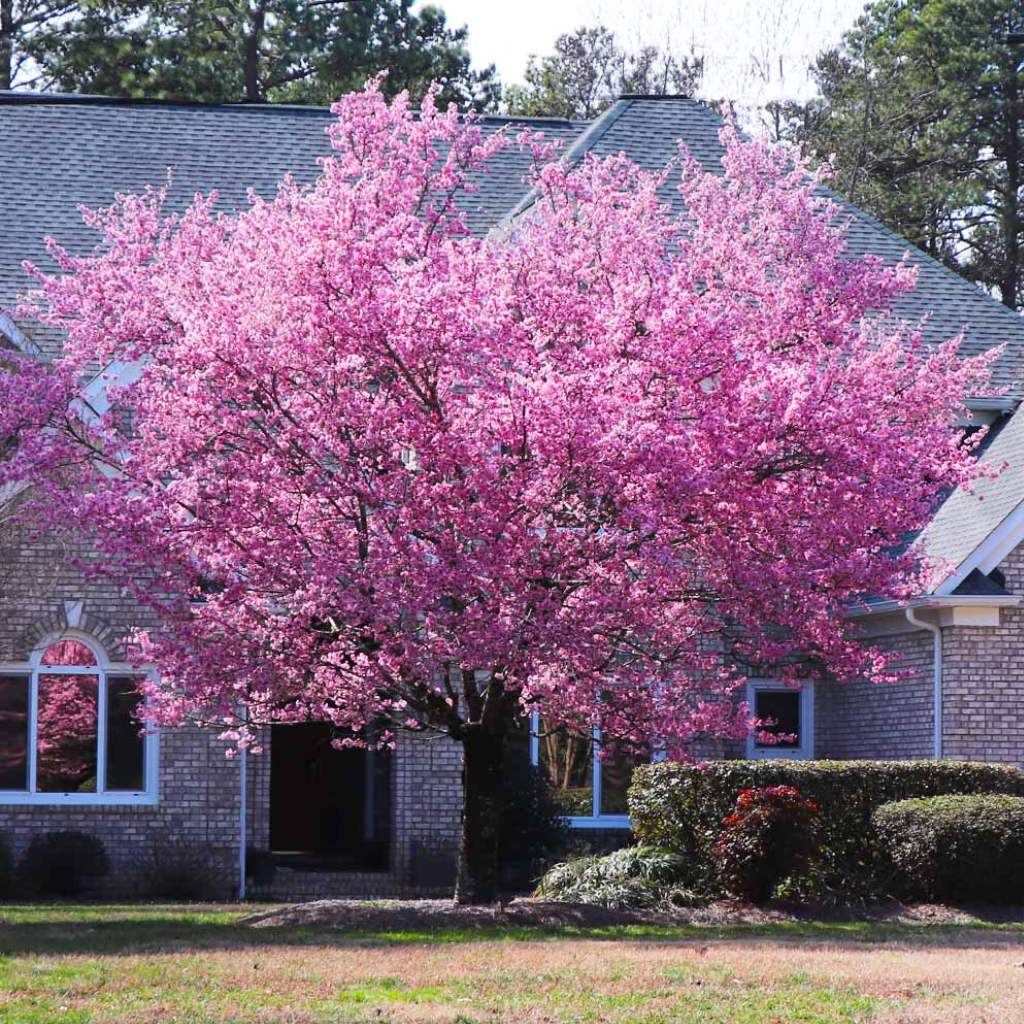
616, 777
568, 760
125, 743
66, 734
85, 729
68, 654
585, 783
14, 732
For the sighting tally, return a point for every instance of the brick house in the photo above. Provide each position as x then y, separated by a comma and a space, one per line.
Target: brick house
382, 824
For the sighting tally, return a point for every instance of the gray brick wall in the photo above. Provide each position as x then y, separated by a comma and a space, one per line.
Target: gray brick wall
983, 682
879, 720
199, 789
198, 804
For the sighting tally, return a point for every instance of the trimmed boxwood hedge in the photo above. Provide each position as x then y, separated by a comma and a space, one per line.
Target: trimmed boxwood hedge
954, 848
681, 806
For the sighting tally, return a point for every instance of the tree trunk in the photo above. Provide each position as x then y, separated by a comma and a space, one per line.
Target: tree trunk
1010, 283
251, 55
477, 881
6, 43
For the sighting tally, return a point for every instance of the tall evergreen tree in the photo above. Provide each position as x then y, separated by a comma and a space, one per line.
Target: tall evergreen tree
921, 108
19, 19
589, 69
258, 50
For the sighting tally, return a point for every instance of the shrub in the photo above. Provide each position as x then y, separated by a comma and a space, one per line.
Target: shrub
772, 835
63, 863
178, 870
681, 806
633, 878
953, 848
532, 829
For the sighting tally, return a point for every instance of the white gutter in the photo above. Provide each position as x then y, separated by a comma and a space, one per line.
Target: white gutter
937, 601
936, 633
243, 795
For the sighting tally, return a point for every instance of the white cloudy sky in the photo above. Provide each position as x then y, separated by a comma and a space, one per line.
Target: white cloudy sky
756, 50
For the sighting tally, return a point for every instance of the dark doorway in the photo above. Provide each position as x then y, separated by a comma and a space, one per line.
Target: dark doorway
329, 809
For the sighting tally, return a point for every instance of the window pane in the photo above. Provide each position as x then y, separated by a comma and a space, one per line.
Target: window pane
125, 744
783, 707
616, 776
69, 653
66, 734
568, 760
14, 732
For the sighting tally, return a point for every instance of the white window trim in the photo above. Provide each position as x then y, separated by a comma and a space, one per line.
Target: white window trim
104, 668
582, 821
804, 752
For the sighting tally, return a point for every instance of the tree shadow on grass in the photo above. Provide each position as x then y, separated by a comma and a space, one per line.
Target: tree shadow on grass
141, 931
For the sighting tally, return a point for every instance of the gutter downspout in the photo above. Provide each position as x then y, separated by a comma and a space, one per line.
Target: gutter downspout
242, 801
936, 633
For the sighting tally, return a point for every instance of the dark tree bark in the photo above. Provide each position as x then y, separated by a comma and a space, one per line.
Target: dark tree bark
477, 881
251, 50
6, 43
1009, 286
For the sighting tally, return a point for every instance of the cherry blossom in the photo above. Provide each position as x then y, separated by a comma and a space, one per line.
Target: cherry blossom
601, 464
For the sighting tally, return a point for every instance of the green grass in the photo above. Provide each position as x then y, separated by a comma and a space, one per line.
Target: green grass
105, 964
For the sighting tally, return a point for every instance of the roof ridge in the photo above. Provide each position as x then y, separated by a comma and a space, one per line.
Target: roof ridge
13, 97
659, 96
596, 130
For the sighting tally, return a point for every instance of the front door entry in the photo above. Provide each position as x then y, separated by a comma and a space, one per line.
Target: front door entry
328, 807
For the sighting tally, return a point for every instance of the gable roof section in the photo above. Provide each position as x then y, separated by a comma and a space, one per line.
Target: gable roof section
647, 127
57, 152
976, 530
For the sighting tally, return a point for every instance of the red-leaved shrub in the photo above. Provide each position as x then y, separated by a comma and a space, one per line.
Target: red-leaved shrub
771, 834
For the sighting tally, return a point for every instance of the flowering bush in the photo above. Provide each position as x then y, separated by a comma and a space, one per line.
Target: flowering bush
771, 835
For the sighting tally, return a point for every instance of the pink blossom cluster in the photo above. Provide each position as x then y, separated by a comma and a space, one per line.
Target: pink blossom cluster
608, 458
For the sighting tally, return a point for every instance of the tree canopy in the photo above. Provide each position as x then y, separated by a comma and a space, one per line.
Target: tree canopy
371, 469
307, 51
922, 109
590, 69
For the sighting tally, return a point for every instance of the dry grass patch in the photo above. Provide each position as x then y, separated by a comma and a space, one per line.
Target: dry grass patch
141, 964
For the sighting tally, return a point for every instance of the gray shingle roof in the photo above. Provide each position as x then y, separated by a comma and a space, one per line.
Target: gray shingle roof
58, 152
647, 129
967, 518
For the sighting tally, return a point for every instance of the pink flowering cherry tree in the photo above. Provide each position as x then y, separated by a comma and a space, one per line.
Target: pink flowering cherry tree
383, 473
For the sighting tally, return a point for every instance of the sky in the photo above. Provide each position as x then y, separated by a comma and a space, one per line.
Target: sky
755, 50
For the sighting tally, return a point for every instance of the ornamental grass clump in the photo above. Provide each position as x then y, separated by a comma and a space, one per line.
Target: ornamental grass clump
772, 836
634, 878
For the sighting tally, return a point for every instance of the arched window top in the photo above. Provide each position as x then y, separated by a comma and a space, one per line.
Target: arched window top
69, 653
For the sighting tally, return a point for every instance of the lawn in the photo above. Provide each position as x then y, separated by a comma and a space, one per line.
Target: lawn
198, 964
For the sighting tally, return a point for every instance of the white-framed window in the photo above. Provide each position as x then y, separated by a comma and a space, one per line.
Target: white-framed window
69, 729
791, 710
591, 789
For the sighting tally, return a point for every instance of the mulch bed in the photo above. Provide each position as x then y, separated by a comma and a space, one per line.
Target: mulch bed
434, 915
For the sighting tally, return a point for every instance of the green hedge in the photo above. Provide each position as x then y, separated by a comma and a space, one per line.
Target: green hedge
953, 848
681, 806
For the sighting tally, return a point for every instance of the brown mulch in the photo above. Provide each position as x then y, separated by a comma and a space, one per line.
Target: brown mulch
431, 915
